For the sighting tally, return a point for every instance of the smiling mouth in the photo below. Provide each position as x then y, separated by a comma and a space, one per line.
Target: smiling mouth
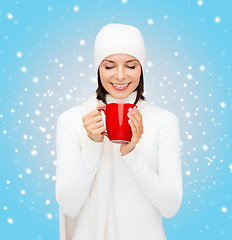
122, 86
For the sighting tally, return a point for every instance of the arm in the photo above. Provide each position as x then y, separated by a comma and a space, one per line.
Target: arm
164, 189
76, 166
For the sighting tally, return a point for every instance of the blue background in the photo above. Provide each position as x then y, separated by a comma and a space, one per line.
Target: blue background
46, 67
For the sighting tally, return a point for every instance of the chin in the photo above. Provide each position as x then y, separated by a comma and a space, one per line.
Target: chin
120, 95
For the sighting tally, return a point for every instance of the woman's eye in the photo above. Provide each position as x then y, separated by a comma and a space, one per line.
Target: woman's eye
108, 67
131, 67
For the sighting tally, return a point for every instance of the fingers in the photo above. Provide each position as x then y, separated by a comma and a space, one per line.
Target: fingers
93, 120
135, 135
100, 105
93, 113
90, 115
89, 122
96, 125
136, 114
133, 128
98, 131
136, 118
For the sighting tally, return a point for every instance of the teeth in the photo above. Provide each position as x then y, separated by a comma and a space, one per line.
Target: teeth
120, 86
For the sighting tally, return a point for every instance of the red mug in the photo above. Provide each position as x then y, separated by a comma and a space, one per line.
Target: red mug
118, 129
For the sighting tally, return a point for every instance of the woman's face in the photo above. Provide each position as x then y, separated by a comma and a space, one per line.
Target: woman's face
120, 74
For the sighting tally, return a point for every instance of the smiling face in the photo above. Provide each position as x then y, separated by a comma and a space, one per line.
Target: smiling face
120, 75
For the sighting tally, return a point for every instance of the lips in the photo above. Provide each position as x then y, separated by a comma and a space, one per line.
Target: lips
120, 86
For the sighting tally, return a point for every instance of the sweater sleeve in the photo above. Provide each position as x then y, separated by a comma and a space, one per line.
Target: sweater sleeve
76, 166
163, 189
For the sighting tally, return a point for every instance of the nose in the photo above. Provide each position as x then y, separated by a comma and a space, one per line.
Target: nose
120, 73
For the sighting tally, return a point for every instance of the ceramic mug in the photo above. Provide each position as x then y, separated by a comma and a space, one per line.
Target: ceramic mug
118, 129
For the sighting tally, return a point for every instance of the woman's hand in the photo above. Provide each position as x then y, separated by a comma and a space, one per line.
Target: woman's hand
94, 125
136, 124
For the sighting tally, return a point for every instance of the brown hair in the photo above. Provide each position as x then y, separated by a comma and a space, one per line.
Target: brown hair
101, 92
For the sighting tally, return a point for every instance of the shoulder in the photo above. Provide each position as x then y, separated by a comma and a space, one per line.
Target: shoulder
71, 119
70, 115
76, 113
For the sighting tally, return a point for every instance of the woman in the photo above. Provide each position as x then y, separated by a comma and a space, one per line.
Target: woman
115, 191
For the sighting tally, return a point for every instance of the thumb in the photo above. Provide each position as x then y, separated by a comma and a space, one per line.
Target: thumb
100, 105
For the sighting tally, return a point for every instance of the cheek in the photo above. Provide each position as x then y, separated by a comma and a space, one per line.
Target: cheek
105, 75
136, 75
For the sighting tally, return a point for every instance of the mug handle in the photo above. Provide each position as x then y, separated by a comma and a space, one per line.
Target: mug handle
104, 110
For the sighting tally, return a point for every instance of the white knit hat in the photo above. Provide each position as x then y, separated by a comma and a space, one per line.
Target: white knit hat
116, 38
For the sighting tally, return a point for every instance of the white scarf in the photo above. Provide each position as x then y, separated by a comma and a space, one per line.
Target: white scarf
103, 225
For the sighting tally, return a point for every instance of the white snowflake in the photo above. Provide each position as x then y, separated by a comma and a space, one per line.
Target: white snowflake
34, 152
205, 147
200, 2
53, 153
23, 69
37, 112
150, 21
10, 220
23, 192
189, 76
49, 215
28, 170
80, 59
224, 209
9, 16
19, 54
217, 19
75, 8
223, 104
202, 68
149, 63
82, 42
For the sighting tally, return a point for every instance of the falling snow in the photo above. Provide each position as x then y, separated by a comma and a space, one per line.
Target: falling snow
150, 21
75, 8
217, 19
19, 54
28, 171
49, 215
200, 2
23, 192
223, 104
10, 220
23, 69
10, 15
187, 74
224, 209
34, 152
202, 68
205, 147
82, 42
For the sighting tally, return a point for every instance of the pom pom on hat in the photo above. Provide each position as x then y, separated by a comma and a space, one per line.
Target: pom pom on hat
117, 38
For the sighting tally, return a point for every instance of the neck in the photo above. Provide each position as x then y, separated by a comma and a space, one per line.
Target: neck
130, 99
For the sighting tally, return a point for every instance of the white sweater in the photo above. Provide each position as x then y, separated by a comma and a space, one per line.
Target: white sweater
147, 182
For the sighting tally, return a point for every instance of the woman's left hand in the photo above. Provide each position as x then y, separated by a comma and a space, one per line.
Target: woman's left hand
136, 124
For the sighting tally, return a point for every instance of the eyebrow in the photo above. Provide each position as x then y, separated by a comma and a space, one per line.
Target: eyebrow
126, 61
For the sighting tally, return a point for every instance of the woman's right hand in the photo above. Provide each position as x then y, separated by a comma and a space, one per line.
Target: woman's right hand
94, 125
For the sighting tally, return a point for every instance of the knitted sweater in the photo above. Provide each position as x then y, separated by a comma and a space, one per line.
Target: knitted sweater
146, 183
